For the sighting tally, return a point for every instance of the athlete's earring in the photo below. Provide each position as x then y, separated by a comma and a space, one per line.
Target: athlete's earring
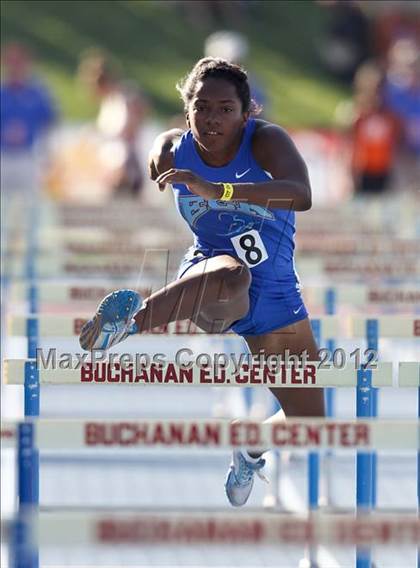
187, 120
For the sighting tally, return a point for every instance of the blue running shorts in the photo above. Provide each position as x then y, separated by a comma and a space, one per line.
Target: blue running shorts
271, 306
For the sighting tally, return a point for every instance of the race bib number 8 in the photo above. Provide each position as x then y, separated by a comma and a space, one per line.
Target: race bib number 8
250, 248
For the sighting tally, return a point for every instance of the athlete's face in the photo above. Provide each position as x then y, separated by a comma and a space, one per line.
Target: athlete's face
215, 115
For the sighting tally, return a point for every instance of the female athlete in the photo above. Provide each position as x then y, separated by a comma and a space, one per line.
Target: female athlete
237, 182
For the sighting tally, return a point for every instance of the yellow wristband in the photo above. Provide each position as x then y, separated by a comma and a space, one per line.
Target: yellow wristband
227, 192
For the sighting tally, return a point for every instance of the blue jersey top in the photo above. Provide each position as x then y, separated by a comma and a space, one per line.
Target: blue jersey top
262, 237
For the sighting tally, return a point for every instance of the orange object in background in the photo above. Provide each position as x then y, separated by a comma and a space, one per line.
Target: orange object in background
376, 136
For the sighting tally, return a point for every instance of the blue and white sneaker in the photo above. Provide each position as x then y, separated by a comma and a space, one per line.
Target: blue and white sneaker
240, 478
113, 321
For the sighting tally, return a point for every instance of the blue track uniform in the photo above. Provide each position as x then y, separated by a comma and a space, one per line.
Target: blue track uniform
263, 238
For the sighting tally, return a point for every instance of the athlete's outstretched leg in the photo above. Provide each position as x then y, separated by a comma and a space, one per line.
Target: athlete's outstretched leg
213, 293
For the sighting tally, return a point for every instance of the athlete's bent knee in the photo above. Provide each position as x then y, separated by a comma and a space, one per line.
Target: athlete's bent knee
237, 279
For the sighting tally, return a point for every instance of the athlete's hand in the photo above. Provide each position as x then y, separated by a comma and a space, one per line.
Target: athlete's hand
153, 166
195, 183
161, 156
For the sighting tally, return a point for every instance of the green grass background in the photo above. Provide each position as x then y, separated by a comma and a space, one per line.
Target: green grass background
155, 44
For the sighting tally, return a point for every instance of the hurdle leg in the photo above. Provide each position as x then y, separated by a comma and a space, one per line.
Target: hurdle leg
24, 555
330, 301
31, 382
330, 392
20, 543
313, 470
372, 336
28, 459
313, 457
364, 461
31, 379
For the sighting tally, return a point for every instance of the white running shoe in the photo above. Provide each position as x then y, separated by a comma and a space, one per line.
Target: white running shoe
240, 478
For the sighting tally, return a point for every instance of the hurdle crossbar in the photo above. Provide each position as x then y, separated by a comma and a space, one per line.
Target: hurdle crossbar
216, 528
391, 326
153, 260
344, 268
350, 244
69, 326
293, 434
130, 372
409, 374
361, 294
354, 294
351, 267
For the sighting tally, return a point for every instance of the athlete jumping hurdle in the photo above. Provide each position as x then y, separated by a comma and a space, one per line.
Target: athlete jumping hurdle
238, 181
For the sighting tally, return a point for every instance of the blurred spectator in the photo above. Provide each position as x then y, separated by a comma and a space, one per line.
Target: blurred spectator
376, 133
393, 21
234, 47
122, 110
402, 96
347, 42
27, 114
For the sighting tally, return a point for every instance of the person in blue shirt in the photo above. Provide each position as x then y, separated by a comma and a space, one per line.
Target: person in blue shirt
238, 182
27, 108
401, 93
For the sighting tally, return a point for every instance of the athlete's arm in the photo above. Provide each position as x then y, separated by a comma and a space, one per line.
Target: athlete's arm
161, 155
275, 152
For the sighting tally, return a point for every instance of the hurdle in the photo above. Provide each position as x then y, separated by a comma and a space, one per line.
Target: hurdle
348, 220
219, 528
387, 326
360, 295
100, 217
349, 268
154, 262
87, 239
96, 241
350, 245
353, 268
328, 298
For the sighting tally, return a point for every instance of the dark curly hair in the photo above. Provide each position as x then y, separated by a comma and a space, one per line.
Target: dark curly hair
216, 68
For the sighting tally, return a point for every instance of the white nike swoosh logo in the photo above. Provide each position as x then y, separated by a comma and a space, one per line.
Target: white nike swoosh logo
298, 310
238, 176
